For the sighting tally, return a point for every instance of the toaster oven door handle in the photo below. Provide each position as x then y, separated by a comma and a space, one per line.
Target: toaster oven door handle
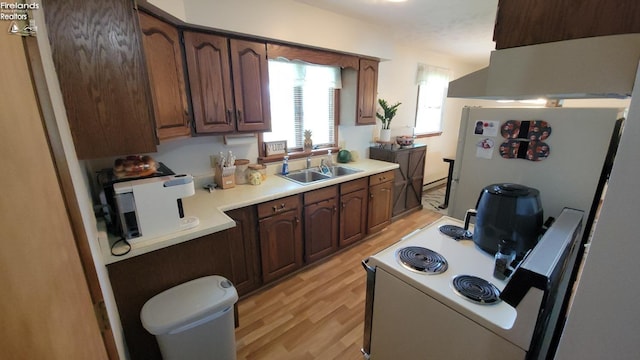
368, 308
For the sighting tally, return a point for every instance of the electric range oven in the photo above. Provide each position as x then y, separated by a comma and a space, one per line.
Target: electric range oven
430, 296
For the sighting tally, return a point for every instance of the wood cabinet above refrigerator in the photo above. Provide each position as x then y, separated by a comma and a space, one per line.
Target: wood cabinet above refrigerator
529, 22
97, 53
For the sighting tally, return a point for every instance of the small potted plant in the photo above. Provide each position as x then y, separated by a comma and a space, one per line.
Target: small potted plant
389, 112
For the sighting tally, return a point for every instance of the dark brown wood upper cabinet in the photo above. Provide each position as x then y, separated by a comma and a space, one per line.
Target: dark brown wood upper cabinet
210, 82
229, 81
163, 56
529, 22
367, 92
97, 53
251, 85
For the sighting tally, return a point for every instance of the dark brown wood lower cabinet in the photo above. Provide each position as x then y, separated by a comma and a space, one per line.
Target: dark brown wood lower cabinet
320, 223
353, 211
231, 253
280, 237
380, 201
408, 177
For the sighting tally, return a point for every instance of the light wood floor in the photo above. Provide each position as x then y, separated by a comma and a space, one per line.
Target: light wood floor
319, 312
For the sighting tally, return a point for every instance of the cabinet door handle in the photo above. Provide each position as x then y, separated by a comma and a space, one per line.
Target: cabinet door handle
282, 207
297, 220
344, 205
371, 196
335, 208
239, 115
228, 116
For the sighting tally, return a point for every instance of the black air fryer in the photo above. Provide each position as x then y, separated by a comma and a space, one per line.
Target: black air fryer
508, 211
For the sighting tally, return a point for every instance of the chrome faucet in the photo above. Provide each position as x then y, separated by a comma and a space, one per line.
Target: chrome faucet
308, 162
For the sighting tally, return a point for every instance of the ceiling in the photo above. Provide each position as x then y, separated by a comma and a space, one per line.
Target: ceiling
462, 28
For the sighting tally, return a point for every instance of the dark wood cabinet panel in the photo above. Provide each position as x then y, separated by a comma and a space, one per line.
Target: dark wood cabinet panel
210, 82
529, 22
163, 56
380, 201
320, 223
251, 85
230, 253
229, 83
97, 53
243, 250
367, 92
408, 178
281, 244
353, 211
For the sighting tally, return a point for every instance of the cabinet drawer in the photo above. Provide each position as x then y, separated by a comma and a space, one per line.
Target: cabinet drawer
314, 196
353, 185
278, 206
380, 178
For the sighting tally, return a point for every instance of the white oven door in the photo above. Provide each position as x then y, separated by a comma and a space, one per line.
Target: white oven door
408, 324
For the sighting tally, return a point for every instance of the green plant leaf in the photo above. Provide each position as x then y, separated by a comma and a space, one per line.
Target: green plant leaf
389, 112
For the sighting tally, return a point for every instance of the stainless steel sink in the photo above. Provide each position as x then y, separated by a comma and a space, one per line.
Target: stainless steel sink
308, 176
340, 170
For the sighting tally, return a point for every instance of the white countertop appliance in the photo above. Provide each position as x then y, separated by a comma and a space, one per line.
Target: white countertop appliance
153, 206
430, 296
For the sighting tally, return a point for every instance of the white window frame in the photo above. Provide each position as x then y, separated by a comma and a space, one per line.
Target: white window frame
296, 78
433, 82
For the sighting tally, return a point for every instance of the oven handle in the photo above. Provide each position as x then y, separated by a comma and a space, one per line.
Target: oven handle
368, 308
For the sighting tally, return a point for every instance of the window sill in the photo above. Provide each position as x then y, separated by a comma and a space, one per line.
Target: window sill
297, 155
426, 135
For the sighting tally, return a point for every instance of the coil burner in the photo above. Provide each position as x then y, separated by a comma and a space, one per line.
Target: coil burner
476, 289
422, 260
456, 232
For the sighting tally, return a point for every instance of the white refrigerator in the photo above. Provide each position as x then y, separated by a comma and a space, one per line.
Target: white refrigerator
565, 153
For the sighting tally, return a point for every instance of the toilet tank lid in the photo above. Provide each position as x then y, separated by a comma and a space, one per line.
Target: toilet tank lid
187, 303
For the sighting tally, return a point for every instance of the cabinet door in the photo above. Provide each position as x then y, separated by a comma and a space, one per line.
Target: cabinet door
97, 54
400, 182
353, 218
528, 22
210, 82
251, 85
243, 250
320, 229
281, 244
380, 197
415, 176
367, 92
166, 76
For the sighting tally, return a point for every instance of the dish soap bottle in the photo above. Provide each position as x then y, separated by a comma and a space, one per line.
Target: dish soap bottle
329, 161
285, 165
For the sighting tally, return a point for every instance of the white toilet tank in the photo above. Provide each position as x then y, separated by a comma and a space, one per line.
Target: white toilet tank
194, 320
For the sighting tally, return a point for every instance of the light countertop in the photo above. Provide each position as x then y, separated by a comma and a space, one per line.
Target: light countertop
209, 207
